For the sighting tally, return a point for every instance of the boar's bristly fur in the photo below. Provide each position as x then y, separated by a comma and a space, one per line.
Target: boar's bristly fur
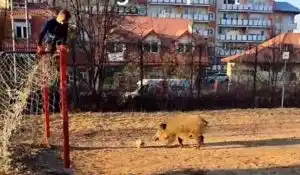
180, 127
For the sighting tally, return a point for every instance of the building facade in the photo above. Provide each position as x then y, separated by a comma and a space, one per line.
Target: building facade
232, 25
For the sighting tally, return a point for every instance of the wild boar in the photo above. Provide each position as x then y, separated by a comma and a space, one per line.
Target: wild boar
191, 127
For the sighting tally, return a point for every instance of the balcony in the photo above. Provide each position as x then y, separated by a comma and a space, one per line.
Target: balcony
201, 17
116, 57
241, 38
199, 3
228, 52
203, 32
245, 23
292, 26
256, 8
286, 26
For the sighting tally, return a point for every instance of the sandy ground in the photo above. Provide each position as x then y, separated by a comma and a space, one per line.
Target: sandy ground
239, 142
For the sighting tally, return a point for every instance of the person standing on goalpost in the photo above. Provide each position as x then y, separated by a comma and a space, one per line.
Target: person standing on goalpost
54, 33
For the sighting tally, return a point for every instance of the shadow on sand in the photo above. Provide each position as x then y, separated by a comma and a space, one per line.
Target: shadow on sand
38, 160
287, 170
216, 145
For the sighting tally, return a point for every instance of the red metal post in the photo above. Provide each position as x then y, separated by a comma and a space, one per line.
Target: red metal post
64, 103
47, 115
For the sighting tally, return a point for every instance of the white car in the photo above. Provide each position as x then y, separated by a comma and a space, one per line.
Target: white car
221, 77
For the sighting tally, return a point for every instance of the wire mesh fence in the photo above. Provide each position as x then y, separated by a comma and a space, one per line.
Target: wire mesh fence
182, 78
21, 69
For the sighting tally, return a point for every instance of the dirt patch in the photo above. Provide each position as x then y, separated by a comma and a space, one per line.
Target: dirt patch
242, 142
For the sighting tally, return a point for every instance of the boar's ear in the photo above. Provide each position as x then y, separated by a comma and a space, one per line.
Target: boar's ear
163, 126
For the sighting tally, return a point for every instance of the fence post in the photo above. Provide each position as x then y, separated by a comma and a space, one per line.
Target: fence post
255, 77
64, 103
141, 52
199, 73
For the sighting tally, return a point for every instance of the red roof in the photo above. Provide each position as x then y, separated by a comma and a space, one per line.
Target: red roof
141, 26
282, 39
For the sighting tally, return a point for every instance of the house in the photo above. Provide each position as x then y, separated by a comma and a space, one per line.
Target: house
229, 24
163, 42
267, 60
37, 15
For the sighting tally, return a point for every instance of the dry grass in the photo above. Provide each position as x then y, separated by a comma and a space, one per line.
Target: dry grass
238, 142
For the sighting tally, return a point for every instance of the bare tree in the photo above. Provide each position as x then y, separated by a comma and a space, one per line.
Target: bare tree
94, 21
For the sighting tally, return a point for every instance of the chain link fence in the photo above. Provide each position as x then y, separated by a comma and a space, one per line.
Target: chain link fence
188, 78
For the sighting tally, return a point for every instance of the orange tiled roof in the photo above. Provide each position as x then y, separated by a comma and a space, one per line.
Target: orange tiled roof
142, 26
284, 38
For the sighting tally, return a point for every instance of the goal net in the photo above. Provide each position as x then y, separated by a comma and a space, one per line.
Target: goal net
24, 80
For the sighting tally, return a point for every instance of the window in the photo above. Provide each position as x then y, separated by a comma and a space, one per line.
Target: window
211, 16
21, 30
210, 32
151, 47
184, 48
180, 47
229, 1
115, 47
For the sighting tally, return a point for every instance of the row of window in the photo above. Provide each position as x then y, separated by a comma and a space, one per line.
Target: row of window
223, 31
238, 1
151, 47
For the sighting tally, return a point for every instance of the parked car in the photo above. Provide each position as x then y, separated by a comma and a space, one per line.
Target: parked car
221, 77
154, 87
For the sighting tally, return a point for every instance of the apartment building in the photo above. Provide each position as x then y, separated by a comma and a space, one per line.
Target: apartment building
233, 25
245, 22
230, 25
201, 12
240, 23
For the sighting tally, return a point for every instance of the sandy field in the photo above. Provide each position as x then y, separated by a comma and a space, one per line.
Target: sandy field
238, 142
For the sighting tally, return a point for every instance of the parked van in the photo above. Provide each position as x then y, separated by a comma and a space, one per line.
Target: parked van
162, 87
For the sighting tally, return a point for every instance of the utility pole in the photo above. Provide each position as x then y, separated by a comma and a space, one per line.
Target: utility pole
199, 70
285, 57
140, 45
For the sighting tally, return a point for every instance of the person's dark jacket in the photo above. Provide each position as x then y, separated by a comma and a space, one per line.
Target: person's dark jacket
53, 33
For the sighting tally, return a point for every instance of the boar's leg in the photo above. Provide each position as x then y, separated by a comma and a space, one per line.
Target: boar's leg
180, 142
200, 141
